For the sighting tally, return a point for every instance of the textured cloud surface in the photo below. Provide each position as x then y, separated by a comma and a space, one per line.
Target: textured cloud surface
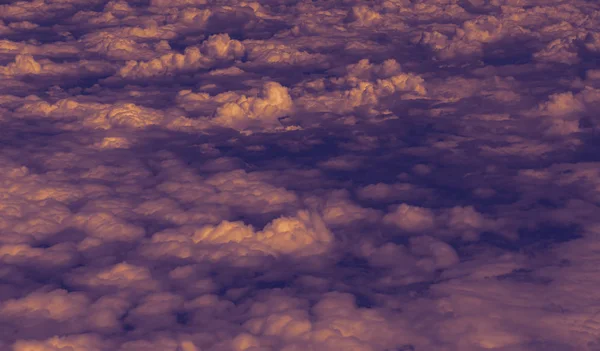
197, 175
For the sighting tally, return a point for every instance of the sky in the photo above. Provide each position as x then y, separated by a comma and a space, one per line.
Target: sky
299, 175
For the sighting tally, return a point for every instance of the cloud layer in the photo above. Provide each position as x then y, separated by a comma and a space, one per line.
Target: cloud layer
299, 175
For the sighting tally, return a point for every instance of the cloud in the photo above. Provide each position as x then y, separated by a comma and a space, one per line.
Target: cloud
260, 111
562, 113
302, 235
368, 87
216, 49
338, 209
94, 115
382, 192
116, 47
238, 190
275, 55
318, 175
79, 342
411, 218
462, 221
25, 65
57, 256
363, 15
105, 227
57, 305
118, 277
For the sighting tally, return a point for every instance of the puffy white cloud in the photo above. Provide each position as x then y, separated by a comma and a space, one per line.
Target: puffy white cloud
442, 254
118, 277
232, 175
158, 344
156, 311
116, 47
32, 208
27, 65
302, 235
94, 115
36, 10
262, 111
24, 64
80, 342
563, 50
365, 70
105, 227
412, 219
465, 222
281, 54
58, 305
105, 314
216, 49
339, 210
363, 15
334, 321
468, 222
238, 190
368, 87
563, 112
177, 3
340, 322
59, 255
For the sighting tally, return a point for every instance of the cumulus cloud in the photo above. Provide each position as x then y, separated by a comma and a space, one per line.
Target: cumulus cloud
462, 221
117, 47
25, 65
275, 55
216, 49
93, 115
397, 175
262, 111
372, 88
121, 276
79, 342
302, 235
411, 218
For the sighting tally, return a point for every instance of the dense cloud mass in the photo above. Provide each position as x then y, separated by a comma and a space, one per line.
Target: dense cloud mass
227, 175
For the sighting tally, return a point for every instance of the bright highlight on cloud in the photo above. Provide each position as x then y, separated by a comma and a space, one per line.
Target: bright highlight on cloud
195, 175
